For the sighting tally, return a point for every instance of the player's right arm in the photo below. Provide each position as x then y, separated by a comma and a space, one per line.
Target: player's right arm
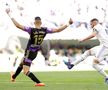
14, 21
17, 24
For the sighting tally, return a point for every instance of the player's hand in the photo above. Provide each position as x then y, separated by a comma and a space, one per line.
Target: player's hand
8, 10
70, 21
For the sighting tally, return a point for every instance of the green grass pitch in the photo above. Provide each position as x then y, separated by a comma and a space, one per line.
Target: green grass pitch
79, 80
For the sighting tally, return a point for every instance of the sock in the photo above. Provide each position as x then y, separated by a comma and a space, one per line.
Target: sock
33, 77
77, 61
19, 69
83, 57
100, 70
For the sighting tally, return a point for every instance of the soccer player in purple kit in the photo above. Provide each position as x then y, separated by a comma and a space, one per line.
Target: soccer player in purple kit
37, 35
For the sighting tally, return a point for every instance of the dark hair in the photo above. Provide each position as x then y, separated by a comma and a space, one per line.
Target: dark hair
37, 18
94, 19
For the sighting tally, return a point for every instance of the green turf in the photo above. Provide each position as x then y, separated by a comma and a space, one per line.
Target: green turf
56, 81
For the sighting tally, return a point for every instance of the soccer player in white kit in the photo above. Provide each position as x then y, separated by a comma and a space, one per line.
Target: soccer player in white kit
100, 52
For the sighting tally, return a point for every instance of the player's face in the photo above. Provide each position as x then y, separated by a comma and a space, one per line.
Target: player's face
93, 23
37, 22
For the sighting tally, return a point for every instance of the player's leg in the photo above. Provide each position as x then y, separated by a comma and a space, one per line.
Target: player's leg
82, 58
19, 69
45, 48
12, 67
102, 52
26, 68
96, 65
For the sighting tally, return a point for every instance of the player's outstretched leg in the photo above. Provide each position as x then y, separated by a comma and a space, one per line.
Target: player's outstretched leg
83, 57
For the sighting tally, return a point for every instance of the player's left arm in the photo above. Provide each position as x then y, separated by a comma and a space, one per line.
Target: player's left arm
62, 27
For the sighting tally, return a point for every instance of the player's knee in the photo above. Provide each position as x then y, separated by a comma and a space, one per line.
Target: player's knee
95, 66
25, 71
96, 61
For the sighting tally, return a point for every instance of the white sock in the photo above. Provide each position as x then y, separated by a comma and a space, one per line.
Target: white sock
100, 70
78, 61
83, 57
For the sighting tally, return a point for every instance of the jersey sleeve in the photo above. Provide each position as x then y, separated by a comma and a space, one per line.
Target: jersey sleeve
27, 29
49, 30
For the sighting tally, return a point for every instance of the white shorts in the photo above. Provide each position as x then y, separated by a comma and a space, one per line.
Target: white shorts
99, 51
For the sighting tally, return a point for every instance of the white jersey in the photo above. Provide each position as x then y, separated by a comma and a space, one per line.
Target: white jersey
102, 34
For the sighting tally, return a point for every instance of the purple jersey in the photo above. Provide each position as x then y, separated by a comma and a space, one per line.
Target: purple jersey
36, 37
